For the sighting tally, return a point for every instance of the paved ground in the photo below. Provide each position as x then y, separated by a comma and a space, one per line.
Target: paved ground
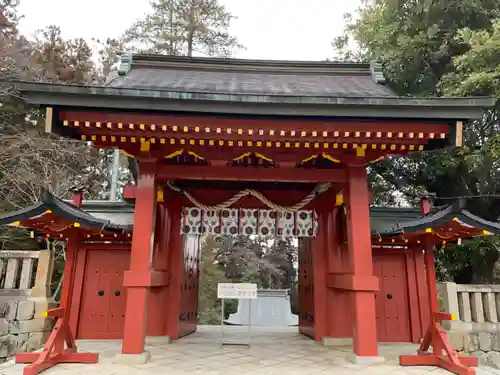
282, 351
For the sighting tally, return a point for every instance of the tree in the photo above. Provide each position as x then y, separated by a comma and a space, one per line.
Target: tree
268, 262
433, 48
29, 158
415, 40
184, 27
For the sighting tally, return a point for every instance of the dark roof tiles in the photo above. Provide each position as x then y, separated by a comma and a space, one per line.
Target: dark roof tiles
63, 209
273, 83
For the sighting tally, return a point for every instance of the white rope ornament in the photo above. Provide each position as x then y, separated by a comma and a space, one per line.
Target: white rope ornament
318, 189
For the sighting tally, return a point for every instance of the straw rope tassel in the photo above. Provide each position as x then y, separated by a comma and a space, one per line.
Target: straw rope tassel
318, 189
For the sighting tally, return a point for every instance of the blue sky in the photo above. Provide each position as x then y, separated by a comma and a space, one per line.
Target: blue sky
270, 29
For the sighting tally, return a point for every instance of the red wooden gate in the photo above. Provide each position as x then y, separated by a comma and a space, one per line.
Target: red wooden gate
190, 274
306, 288
102, 311
392, 305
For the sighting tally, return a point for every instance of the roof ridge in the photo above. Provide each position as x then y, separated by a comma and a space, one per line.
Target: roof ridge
237, 61
377, 70
125, 64
129, 61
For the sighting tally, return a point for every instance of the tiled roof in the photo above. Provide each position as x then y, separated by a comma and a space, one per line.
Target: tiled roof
454, 212
251, 77
63, 209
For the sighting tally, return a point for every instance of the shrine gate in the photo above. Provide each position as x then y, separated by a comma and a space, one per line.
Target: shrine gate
250, 147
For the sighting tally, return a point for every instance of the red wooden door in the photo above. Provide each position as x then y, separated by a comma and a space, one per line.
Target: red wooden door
306, 288
102, 312
391, 301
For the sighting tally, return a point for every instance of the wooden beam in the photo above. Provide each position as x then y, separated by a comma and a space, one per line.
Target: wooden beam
284, 157
265, 140
318, 124
459, 134
49, 115
188, 172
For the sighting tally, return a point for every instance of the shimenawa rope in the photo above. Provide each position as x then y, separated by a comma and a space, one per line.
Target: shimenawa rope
318, 189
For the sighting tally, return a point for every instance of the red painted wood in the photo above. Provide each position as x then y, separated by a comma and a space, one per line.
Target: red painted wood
361, 283
306, 288
264, 138
423, 294
190, 274
431, 280
103, 316
281, 156
77, 289
54, 351
215, 122
118, 293
94, 310
392, 305
425, 206
77, 198
156, 324
175, 262
211, 197
319, 253
60, 346
442, 355
140, 260
411, 276
338, 315
360, 259
295, 175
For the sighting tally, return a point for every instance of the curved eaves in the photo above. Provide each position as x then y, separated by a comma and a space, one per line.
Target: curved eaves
61, 209
480, 223
450, 213
23, 214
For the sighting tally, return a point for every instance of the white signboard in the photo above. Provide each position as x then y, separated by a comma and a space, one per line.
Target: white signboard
237, 291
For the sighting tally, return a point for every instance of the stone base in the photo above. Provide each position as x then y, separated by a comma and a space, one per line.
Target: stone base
158, 340
335, 341
366, 361
132, 359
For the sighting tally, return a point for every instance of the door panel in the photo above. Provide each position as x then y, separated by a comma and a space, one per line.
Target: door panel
306, 288
118, 296
391, 301
102, 312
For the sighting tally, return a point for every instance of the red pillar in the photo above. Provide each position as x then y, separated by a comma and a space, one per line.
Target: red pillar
138, 278
431, 282
363, 283
320, 266
175, 261
158, 295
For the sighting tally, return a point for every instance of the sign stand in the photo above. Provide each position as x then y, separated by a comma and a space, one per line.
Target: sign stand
236, 291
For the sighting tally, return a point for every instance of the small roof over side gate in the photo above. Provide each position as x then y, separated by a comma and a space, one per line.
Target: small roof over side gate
447, 224
52, 214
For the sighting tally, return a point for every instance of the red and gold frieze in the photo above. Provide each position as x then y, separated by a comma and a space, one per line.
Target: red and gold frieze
233, 132
219, 140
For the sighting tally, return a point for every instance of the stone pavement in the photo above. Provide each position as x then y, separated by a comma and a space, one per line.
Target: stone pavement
273, 351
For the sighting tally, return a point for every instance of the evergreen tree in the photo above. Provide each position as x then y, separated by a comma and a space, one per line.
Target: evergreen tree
184, 28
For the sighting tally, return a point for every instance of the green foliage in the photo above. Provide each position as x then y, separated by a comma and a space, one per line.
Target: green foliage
211, 274
439, 48
476, 71
184, 27
268, 262
416, 40
474, 262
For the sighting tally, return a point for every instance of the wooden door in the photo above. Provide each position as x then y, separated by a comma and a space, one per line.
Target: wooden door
392, 306
102, 312
306, 288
